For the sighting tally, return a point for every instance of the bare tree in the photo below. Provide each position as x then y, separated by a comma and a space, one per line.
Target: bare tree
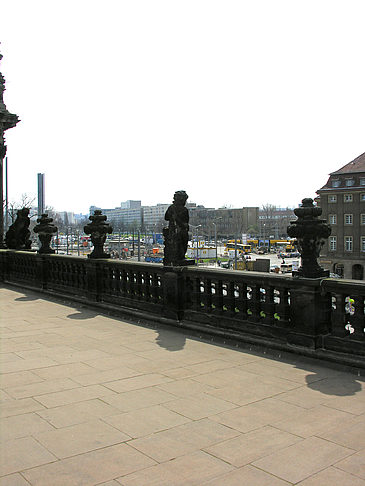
26, 201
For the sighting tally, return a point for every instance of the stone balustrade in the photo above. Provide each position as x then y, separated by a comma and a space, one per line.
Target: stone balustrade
319, 317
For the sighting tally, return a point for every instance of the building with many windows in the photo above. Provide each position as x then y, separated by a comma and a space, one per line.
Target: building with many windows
342, 200
127, 216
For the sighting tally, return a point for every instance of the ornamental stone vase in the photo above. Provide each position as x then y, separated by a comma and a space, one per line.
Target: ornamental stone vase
45, 229
98, 229
311, 233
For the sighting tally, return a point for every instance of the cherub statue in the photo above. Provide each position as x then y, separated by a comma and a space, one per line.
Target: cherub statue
177, 234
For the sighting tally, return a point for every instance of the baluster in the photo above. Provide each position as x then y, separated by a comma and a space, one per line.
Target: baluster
155, 289
283, 309
255, 304
138, 280
217, 297
231, 299
196, 294
147, 286
207, 295
269, 305
124, 283
339, 317
357, 321
242, 301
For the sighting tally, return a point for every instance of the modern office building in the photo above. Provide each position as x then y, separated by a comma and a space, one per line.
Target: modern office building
127, 216
342, 199
154, 217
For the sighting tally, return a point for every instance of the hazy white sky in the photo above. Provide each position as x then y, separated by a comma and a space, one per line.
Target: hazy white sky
238, 102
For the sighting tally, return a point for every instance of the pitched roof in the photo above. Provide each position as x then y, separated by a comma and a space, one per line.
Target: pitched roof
356, 165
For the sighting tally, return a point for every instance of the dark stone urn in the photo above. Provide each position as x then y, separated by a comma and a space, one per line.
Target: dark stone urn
98, 229
45, 230
311, 233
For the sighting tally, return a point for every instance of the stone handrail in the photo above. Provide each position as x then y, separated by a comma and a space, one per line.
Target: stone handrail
317, 317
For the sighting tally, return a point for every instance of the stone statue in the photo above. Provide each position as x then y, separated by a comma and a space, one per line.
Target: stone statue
45, 230
98, 229
18, 235
176, 236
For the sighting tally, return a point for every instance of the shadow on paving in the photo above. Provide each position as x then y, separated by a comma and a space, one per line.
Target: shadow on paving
27, 298
82, 314
171, 341
333, 386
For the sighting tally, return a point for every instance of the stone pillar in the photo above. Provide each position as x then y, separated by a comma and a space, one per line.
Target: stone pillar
310, 312
173, 293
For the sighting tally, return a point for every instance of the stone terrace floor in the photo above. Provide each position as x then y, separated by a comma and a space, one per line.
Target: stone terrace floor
88, 399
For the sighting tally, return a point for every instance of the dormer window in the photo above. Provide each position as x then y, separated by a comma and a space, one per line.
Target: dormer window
336, 183
362, 181
349, 182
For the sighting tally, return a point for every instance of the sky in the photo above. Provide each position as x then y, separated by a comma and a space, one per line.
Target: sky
238, 103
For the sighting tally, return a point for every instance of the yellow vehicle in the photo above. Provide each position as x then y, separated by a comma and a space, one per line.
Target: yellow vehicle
241, 249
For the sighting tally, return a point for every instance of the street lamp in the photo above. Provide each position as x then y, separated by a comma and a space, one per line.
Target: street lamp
197, 241
215, 240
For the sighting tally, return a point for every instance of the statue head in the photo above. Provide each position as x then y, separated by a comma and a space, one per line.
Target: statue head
180, 197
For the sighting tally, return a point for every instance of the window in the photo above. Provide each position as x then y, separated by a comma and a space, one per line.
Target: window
333, 198
362, 218
333, 243
348, 243
332, 218
362, 197
336, 183
349, 182
362, 243
362, 181
347, 197
348, 218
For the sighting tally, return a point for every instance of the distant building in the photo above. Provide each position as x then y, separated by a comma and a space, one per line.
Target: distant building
273, 221
127, 216
67, 217
224, 221
228, 221
154, 216
342, 199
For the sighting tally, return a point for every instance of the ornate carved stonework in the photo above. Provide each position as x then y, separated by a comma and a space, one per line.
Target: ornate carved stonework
7, 120
45, 229
18, 235
311, 233
98, 229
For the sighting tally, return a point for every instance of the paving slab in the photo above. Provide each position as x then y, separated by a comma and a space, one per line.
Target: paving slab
178, 441
249, 447
190, 470
303, 459
332, 476
91, 468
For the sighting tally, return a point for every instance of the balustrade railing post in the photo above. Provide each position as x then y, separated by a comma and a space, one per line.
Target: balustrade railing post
41, 271
310, 314
173, 292
93, 277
